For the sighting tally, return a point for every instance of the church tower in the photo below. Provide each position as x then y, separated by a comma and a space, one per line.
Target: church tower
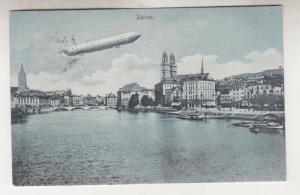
173, 67
202, 68
22, 82
165, 68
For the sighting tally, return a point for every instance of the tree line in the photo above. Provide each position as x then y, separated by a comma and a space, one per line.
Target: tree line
145, 101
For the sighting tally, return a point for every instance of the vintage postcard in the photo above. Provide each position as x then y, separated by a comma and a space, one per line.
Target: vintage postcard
130, 96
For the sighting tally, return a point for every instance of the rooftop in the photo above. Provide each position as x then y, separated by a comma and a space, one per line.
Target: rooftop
33, 93
198, 76
133, 87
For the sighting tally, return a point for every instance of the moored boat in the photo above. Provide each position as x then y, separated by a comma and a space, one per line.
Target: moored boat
191, 117
263, 127
243, 124
271, 126
254, 128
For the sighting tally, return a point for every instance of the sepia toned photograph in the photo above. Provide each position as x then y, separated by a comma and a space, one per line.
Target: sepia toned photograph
143, 96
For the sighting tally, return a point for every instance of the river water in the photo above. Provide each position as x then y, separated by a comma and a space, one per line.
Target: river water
110, 147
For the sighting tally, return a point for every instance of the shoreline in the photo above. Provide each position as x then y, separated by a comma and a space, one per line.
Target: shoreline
210, 114
233, 114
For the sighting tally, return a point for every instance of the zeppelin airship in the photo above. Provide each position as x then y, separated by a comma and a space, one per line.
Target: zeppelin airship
101, 44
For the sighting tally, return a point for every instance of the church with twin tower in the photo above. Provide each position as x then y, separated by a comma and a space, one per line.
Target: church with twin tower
175, 88
168, 67
168, 79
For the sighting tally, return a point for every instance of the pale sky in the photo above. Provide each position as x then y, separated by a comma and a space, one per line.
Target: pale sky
231, 41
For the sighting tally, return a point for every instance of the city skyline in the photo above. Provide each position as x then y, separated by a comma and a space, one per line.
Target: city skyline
104, 94
256, 47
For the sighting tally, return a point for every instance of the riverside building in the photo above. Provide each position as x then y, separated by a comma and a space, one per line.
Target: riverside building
254, 89
169, 81
111, 100
199, 90
126, 92
78, 100
188, 88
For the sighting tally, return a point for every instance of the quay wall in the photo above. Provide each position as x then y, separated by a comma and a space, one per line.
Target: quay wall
245, 115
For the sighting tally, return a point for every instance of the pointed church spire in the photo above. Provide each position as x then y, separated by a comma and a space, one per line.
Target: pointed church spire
165, 67
202, 69
165, 58
173, 67
22, 69
172, 58
22, 82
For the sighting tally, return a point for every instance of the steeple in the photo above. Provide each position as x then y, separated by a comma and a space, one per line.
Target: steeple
202, 69
173, 67
172, 59
165, 67
22, 81
22, 69
164, 58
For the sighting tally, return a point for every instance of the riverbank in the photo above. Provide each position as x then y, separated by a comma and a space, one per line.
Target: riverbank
225, 114
17, 115
150, 109
208, 113
23, 111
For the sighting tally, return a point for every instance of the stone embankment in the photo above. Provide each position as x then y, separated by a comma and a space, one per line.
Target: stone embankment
235, 114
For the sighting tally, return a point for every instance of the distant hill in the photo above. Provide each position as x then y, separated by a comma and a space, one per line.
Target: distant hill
257, 74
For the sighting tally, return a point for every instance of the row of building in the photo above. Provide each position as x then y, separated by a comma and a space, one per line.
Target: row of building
243, 90
200, 89
173, 90
37, 98
22, 96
